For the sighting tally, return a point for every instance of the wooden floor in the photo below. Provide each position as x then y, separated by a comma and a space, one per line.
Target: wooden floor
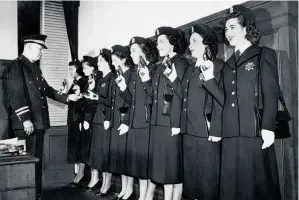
69, 193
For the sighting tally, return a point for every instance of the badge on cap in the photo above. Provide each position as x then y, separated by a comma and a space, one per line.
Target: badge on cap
192, 29
157, 32
231, 10
101, 51
111, 49
133, 40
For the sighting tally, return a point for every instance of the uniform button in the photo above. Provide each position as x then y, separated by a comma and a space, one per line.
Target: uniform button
133, 106
186, 90
36, 78
185, 99
112, 99
234, 71
29, 81
233, 93
233, 105
133, 90
134, 82
112, 107
185, 109
155, 101
187, 81
45, 107
155, 92
233, 82
42, 98
44, 88
156, 83
39, 88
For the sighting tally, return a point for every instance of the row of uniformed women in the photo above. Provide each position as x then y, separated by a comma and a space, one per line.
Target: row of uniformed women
162, 122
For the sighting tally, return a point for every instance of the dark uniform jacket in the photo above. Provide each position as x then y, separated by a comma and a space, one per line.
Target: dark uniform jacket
103, 104
119, 104
159, 85
237, 92
140, 102
199, 106
75, 109
27, 89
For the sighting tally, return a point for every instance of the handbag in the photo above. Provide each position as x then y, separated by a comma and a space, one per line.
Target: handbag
167, 103
148, 112
282, 118
123, 111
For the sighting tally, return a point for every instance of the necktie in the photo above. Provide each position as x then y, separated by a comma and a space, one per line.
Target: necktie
237, 55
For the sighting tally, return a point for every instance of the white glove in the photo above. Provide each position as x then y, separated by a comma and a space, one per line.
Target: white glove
175, 131
91, 95
123, 129
268, 138
28, 127
73, 97
214, 139
144, 74
207, 68
171, 74
86, 125
121, 83
106, 125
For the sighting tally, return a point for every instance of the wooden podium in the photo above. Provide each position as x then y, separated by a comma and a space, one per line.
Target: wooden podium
17, 178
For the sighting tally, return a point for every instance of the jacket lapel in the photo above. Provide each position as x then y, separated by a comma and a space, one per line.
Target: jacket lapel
231, 62
249, 53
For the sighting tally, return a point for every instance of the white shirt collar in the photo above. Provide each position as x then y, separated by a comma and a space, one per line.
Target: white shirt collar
246, 45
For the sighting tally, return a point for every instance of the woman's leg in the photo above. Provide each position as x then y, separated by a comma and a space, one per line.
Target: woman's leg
142, 189
129, 187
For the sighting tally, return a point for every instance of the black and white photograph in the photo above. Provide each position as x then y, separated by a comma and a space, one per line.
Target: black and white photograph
148, 100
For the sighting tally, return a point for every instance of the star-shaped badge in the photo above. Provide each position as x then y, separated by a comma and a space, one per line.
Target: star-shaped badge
249, 66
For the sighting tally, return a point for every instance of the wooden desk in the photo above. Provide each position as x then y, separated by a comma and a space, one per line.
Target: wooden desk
17, 178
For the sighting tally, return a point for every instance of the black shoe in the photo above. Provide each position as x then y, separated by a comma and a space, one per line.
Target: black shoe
91, 189
79, 184
107, 193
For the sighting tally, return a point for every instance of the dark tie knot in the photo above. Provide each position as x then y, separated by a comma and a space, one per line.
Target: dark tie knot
238, 54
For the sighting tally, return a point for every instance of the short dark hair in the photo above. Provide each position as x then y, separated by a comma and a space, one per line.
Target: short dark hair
79, 68
179, 43
251, 29
124, 55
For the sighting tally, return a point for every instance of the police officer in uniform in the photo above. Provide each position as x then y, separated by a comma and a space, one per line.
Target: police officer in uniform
248, 164
27, 89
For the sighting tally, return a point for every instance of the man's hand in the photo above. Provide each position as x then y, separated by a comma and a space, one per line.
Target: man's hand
28, 127
73, 97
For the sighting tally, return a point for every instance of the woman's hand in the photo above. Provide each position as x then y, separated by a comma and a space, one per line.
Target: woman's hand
268, 138
123, 128
91, 95
175, 131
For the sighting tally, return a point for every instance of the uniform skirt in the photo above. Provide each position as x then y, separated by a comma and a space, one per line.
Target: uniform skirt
165, 156
100, 148
247, 171
201, 167
137, 153
117, 152
79, 143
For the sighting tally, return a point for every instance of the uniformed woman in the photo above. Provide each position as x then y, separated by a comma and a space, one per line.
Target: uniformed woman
75, 117
200, 120
90, 69
165, 156
120, 116
144, 55
99, 156
248, 165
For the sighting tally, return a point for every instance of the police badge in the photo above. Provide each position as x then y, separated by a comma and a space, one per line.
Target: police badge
231, 10
249, 66
157, 31
103, 85
192, 29
133, 40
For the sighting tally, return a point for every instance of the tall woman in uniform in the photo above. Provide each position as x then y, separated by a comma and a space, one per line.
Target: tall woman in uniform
248, 165
200, 120
99, 155
120, 116
165, 156
90, 69
144, 55
75, 117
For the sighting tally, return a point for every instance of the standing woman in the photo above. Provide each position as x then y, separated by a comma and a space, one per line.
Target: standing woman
200, 120
90, 69
119, 117
165, 156
75, 117
248, 166
99, 156
144, 55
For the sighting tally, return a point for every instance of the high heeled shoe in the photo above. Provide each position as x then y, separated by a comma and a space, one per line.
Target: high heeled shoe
78, 184
107, 193
117, 198
91, 189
